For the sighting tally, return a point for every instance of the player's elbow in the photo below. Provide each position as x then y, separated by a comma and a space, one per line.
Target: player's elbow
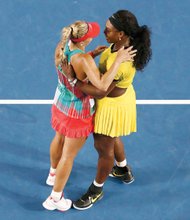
103, 87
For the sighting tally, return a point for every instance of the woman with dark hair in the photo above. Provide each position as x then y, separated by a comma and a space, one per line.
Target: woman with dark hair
116, 114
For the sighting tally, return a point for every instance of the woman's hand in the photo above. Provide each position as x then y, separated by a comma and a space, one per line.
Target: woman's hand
68, 70
98, 50
126, 54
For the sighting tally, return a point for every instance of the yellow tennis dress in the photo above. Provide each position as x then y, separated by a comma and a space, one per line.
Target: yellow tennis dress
116, 116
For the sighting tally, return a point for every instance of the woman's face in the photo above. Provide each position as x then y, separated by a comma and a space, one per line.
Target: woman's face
111, 33
87, 41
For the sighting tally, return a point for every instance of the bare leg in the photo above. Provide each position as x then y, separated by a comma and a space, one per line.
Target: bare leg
70, 149
105, 147
119, 150
56, 148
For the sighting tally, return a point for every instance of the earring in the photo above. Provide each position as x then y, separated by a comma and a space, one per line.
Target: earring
119, 38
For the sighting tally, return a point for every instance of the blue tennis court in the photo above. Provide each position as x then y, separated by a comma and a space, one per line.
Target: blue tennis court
158, 152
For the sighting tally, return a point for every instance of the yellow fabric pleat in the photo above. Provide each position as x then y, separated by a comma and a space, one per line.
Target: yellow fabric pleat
116, 116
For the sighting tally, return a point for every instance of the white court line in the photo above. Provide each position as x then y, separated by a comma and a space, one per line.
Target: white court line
25, 102
163, 102
48, 102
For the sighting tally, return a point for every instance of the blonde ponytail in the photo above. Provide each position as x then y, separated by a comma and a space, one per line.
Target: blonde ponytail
59, 52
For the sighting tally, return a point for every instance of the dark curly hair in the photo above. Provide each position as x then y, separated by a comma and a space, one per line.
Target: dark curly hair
139, 36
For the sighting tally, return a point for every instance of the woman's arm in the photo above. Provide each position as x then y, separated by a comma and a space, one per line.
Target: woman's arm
86, 88
97, 51
91, 90
103, 82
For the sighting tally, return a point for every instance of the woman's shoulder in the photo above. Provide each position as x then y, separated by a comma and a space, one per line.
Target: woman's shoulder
107, 50
127, 66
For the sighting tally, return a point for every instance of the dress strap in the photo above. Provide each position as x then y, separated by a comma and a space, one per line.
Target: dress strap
69, 53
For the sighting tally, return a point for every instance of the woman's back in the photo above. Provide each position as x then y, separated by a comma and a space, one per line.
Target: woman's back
69, 99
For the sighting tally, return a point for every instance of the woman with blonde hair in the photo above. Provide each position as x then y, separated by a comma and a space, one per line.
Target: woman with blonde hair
72, 110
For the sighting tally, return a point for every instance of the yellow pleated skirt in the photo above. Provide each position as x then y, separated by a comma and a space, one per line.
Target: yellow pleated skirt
116, 116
